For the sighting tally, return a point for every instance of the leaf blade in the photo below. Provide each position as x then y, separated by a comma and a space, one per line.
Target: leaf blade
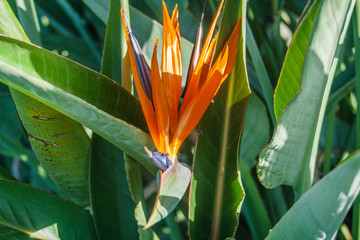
298, 129
39, 213
38, 121
327, 204
216, 193
104, 115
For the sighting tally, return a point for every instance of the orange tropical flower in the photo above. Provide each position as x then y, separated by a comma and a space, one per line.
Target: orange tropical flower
160, 91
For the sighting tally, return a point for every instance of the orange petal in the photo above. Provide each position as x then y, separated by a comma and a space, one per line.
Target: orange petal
145, 102
199, 76
195, 78
232, 44
171, 68
160, 103
207, 62
197, 106
175, 20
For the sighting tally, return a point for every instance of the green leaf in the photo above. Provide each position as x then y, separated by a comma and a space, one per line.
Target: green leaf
41, 214
113, 213
12, 133
29, 20
115, 44
135, 181
216, 193
173, 184
290, 77
80, 26
145, 30
254, 210
326, 204
256, 133
291, 155
100, 8
356, 24
7, 233
100, 106
4, 174
111, 200
54, 137
9, 24
255, 136
60, 144
261, 72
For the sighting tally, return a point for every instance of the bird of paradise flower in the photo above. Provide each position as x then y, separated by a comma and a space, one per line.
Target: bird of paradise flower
160, 92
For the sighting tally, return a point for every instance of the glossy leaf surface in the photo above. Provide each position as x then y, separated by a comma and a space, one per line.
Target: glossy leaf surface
102, 105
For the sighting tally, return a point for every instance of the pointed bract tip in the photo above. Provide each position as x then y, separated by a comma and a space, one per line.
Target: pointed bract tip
203, 12
126, 21
149, 153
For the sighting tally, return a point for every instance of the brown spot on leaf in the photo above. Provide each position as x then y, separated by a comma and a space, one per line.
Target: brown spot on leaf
46, 119
46, 143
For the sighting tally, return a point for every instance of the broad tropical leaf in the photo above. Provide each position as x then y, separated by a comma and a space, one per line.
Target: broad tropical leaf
291, 156
216, 193
113, 213
41, 214
60, 143
326, 204
78, 92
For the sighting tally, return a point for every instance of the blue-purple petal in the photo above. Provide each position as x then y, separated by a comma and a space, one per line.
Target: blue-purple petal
161, 160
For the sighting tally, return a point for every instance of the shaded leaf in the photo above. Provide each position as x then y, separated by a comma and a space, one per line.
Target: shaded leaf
134, 174
41, 214
29, 20
4, 174
7, 233
113, 213
256, 133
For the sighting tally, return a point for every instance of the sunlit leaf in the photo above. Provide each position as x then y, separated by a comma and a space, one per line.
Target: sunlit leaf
80, 93
173, 184
54, 137
326, 204
291, 156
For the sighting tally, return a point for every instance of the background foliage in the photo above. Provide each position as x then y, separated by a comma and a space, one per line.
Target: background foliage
96, 181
